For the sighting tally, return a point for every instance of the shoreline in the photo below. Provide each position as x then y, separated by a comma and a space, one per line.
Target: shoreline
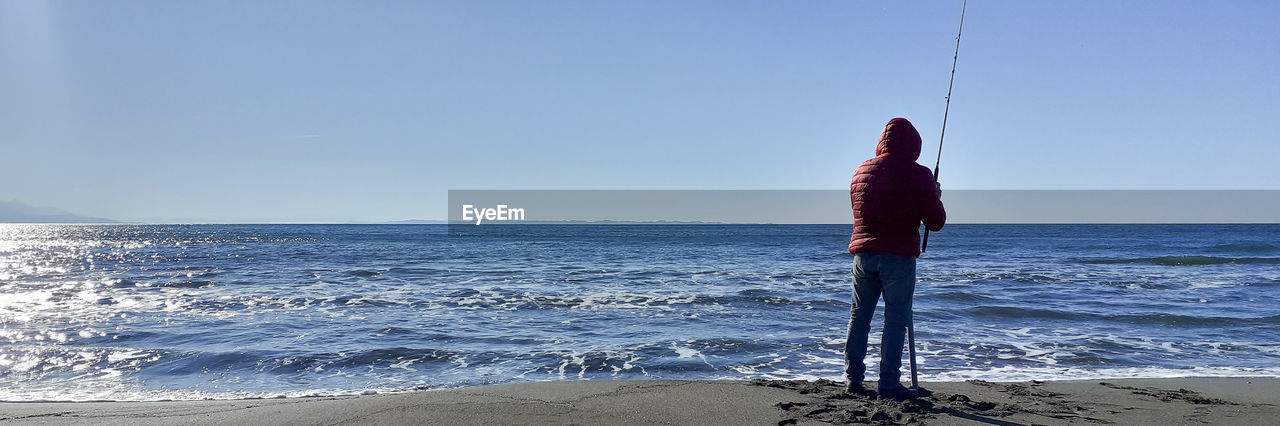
1235, 400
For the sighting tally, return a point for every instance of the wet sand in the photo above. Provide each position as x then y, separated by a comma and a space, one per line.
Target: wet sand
1122, 401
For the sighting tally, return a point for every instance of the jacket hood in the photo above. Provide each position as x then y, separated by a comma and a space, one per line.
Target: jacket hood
900, 140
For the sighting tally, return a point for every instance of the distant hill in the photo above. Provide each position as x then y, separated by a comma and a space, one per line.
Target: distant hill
18, 212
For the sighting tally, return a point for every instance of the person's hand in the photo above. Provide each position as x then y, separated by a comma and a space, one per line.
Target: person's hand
938, 187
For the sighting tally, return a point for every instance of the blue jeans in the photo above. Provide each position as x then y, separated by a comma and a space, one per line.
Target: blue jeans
875, 274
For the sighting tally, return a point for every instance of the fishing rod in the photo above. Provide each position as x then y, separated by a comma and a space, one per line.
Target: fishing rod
911, 322
945, 112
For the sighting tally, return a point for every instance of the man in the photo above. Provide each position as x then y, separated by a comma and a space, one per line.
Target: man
891, 196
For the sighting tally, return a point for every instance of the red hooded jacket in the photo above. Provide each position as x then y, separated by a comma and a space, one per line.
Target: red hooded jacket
892, 195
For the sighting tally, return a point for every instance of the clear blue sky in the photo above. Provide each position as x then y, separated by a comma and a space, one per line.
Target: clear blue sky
250, 111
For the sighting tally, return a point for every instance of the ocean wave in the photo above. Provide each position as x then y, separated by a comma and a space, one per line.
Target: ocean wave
1185, 260
189, 284
1022, 373
473, 299
962, 296
1245, 248
1265, 282
967, 276
1144, 284
1154, 318
363, 273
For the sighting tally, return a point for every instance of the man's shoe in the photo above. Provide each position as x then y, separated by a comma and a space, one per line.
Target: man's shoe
898, 392
854, 387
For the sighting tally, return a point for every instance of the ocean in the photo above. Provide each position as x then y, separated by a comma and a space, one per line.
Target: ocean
161, 312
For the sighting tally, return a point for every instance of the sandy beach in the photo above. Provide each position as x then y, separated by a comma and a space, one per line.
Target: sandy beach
1122, 401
